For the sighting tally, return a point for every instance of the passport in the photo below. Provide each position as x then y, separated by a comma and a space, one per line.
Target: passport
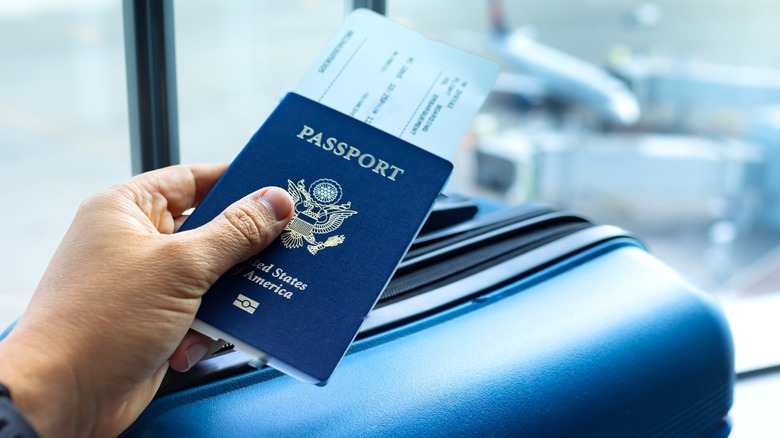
361, 195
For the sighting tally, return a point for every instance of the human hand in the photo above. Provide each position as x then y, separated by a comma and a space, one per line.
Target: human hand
113, 308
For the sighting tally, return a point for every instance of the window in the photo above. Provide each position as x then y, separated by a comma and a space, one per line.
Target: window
236, 60
63, 125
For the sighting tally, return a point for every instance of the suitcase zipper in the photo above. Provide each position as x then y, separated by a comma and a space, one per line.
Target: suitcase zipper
479, 226
417, 275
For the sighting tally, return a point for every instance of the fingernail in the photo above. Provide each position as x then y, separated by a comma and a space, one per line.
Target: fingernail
278, 201
195, 353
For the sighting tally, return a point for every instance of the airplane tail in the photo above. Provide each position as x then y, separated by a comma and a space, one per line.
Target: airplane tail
497, 16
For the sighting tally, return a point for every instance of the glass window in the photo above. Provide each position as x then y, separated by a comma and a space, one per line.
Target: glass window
63, 128
236, 60
661, 117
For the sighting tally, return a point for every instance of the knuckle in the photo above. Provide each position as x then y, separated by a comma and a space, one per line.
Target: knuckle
93, 202
94, 205
248, 224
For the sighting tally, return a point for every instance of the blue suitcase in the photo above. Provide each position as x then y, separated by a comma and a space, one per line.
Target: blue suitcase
519, 322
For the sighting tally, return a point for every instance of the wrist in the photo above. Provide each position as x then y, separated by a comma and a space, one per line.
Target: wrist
13, 422
43, 387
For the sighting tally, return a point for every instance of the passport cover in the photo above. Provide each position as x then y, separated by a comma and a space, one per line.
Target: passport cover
361, 195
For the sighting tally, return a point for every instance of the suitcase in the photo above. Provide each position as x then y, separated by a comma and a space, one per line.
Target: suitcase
520, 321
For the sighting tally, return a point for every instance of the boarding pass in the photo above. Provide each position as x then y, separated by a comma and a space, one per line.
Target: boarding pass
423, 91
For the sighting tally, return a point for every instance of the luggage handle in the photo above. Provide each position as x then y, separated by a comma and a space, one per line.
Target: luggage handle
401, 312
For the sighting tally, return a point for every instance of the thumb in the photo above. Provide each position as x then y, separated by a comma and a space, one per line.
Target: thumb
242, 230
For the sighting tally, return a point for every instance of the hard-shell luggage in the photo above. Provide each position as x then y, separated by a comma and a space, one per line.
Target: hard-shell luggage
522, 321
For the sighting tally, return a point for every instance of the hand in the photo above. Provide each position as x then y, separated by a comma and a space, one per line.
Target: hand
113, 308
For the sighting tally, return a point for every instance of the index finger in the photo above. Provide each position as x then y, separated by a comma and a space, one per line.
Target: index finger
182, 186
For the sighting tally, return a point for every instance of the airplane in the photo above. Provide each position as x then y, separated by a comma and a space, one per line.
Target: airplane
553, 74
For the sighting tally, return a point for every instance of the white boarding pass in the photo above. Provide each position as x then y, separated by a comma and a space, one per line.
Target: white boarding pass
423, 91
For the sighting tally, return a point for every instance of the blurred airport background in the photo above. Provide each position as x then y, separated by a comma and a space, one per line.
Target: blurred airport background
662, 117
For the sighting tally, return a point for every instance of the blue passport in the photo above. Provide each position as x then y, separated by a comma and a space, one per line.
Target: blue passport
361, 195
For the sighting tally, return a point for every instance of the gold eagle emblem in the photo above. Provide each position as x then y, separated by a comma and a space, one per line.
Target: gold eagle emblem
317, 211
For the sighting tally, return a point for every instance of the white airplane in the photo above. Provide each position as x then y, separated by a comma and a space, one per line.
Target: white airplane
554, 74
